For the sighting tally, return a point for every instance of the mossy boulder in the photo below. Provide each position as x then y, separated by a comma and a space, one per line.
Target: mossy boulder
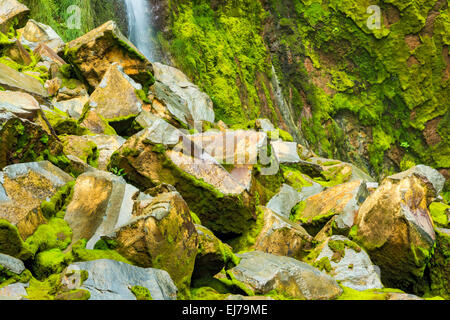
14, 80
161, 234
439, 267
82, 148
23, 188
395, 226
35, 33
94, 52
12, 14
213, 255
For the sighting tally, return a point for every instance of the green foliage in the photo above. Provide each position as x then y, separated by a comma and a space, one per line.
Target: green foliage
118, 172
141, 293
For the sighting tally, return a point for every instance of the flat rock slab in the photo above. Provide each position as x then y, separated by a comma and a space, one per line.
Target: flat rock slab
284, 201
264, 272
12, 79
112, 280
11, 264
15, 291
19, 103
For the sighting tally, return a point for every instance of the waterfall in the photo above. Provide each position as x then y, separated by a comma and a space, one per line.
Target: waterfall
139, 26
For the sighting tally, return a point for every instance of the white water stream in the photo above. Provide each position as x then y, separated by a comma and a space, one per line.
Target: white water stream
139, 26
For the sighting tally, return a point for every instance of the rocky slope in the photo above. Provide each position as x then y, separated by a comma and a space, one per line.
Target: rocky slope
122, 179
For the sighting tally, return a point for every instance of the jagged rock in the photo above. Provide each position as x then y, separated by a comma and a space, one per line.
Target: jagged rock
348, 263
35, 33
17, 81
80, 147
12, 12
18, 53
182, 99
22, 189
395, 227
113, 280
15, 291
73, 107
11, 264
149, 158
213, 255
48, 55
160, 234
115, 97
19, 103
264, 272
96, 124
284, 201
101, 202
279, 236
94, 52
106, 146
285, 152
342, 201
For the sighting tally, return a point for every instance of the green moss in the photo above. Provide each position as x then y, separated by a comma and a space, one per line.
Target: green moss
323, 264
338, 247
57, 205
206, 293
43, 290
248, 238
11, 243
439, 213
56, 234
195, 218
80, 253
438, 266
294, 178
352, 294
274, 294
141, 293
74, 295
50, 262
7, 277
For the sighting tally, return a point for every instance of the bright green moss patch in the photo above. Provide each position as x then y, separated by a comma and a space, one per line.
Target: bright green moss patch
352, 294
294, 178
57, 205
11, 243
141, 293
43, 290
323, 264
206, 293
55, 234
50, 262
338, 247
439, 213
80, 253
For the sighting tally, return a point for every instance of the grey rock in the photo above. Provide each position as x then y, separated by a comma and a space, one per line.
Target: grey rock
106, 146
285, 152
264, 125
15, 291
11, 264
346, 219
283, 202
355, 270
15, 80
264, 272
19, 103
431, 175
160, 132
112, 280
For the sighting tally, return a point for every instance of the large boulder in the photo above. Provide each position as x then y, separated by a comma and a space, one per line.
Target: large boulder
115, 97
155, 155
23, 187
182, 99
264, 272
24, 141
19, 103
94, 52
101, 202
18, 81
12, 13
35, 33
348, 263
161, 234
115, 280
277, 235
395, 227
342, 201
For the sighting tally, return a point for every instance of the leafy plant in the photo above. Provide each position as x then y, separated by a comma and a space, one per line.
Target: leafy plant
118, 172
405, 145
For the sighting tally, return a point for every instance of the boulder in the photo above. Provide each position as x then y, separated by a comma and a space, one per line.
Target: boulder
264, 272
342, 201
101, 202
94, 52
12, 13
285, 152
213, 255
17, 52
73, 107
160, 234
106, 146
17, 81
114, 280
180, 96
96, 124
19, 103
22, 189
48, 55
80, 147
35, 33
395, 227
348, 263
11, 264
115, 97
15, 291
439, 266
155, 155
284, 201
279, 236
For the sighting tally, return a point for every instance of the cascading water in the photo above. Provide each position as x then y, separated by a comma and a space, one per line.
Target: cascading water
139, 26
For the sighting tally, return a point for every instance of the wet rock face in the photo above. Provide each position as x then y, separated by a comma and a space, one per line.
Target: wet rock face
113, 280
160, 234
263, 272
94, 52
22, 189
395, 227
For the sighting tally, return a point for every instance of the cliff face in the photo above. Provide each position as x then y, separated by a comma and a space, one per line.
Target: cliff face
375, 97
378, 97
